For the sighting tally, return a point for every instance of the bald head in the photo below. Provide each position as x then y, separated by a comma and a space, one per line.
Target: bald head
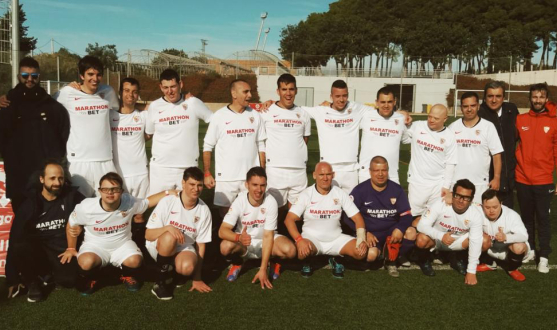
437, 117
323, 176
323, 166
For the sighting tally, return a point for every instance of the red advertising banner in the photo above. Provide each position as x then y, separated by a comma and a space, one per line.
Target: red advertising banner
6, 217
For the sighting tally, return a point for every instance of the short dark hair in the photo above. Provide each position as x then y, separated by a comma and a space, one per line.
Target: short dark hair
112, 177
466, 184
194, 173
468, 95
494, 85
489, 194
50, 161
90, 62
286, 78
541, 87
29, 62
256, 171
169, 74
378, 160
131, 81
385, 91
339, 84
235, 81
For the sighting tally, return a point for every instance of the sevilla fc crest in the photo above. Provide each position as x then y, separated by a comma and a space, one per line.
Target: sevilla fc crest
185, 106
262, 210
349, 111
298, 115
124, 214
393, 201
196, 219
136, 118
477, 132
335, 201
251, 119
466, 222
442, 141
546, 129
396, 122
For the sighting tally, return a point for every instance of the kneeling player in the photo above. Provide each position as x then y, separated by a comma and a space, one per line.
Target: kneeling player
176, 234
321, 206
108, 236
505, 237
453, 228
254, 237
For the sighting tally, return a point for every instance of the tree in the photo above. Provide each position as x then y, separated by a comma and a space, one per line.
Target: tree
26, 44
107, 53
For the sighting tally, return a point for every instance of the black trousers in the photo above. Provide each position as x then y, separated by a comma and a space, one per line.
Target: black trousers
534, 202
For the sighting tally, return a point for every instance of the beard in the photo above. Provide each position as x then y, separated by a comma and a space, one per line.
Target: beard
53, 190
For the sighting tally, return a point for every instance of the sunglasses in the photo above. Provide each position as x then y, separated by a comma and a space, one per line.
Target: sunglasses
25, 75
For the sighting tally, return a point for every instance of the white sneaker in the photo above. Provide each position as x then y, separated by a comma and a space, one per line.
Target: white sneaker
543, 266
529, 257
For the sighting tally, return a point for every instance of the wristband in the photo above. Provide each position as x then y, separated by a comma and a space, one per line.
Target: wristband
298, 239
207, 174
237, 238
360, 236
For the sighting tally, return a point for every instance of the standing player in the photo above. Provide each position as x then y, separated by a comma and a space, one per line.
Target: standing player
477, 145
89, 148
288, 128
174, 123
382, 132
455, 228
321, 206
238, 134
386, 212
434, 158
505, 236
107, 223
254, 236
177, 232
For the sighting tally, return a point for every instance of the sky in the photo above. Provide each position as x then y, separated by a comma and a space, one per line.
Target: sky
229, 26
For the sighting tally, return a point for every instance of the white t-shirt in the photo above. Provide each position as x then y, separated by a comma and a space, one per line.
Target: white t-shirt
236, 137
176, 128
339, 134
257, 219
510, 222
431, 151
381, 137
475, 145
128, 142
89, 139
108, 230
441, 218
322, 213
195, 224
286, 129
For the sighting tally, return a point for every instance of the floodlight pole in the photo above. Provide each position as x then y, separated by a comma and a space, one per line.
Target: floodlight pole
263, 16
265, 40
15, 42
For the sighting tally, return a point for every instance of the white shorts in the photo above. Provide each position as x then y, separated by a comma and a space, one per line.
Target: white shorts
165, 178
286, 184
346, 180
86, 175
255, 250
137, 185
420, 197
499, 251
455, 246
480, 189
331, 248
113, 256
152, 248
227, 191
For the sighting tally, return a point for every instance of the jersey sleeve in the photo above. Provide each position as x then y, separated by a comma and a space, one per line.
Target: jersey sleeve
451, 154
475, 242
516, 231
271, 215
112, 99
159, 215
428, 219
204, 235
139, 205
201, 109
212, 135
307, 124
234, 212
494, 143
261, 134
77, 217
407, 135
301, 204
348, 205
313, 112
150, 121
62, 96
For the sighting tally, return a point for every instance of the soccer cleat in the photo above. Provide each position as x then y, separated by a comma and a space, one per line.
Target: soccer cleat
161, 291
517, 275
89, 288
179, 280
459, 266
529, 256
392, 249
427, 268
391, 269
543, 265
404, 262
131, 283
486, 267
274, 270
307, 270
34, 294
338, 269
233, 273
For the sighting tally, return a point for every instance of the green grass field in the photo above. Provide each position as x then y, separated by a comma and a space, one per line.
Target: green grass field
369, 299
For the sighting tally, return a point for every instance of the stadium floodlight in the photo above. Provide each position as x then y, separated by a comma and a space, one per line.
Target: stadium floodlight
263, 16
265, 40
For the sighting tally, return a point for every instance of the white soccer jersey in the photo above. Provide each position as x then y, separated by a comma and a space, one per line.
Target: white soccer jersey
440, 218
257, 219
128, 142
108, 230
475, 145
321, 213
236, 137
285, 129
195, 224
431, 151
89, 139
381, 137
510, 222
176, 128
338, 133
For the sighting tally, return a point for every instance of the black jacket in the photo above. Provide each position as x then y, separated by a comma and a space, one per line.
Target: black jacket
25, 216
33, 128
506, 129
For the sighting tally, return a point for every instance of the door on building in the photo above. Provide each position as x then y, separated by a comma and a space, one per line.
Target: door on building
406, 102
